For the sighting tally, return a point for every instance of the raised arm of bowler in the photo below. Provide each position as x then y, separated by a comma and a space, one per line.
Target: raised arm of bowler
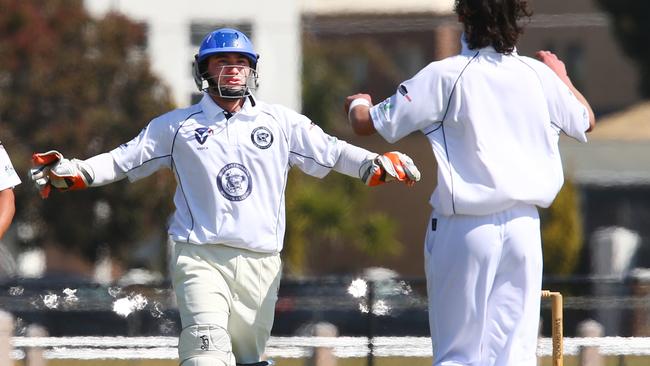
230, 154
493, 118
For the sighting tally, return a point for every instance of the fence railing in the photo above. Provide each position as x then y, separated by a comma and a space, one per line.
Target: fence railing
389, 318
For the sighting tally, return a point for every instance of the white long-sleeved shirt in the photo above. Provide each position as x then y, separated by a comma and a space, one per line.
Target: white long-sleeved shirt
493, 121
8, 176
231, 173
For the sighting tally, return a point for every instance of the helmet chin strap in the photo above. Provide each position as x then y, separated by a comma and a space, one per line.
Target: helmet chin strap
228, 92
215, 89
232, 92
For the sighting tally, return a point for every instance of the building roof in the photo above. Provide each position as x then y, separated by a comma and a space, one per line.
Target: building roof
618, 151
632, 124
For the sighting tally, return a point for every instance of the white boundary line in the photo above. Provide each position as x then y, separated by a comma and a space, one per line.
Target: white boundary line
92, 348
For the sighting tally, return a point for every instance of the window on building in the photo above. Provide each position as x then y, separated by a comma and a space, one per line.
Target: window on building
199, 30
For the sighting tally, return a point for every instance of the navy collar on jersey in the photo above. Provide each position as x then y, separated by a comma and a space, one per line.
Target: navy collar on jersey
213, 111
465, 50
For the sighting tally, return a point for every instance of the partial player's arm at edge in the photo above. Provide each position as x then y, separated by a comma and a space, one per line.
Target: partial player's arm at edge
7, 209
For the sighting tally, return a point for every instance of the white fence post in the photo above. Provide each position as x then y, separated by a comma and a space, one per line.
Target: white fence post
323, 356
590, 356
34, 355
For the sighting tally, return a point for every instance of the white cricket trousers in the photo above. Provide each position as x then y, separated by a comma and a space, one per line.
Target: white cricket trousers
484, 276
233, 288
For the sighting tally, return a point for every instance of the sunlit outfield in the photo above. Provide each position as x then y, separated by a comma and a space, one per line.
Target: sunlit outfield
378, 361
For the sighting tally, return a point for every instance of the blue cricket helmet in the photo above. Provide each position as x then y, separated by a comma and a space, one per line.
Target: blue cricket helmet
224, 40
227, 40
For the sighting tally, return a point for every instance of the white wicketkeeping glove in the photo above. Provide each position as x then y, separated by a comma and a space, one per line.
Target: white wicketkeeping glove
51, 169
390, 166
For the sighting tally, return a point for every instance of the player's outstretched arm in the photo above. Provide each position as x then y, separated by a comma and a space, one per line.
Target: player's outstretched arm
357, 108
558, 67
51, 170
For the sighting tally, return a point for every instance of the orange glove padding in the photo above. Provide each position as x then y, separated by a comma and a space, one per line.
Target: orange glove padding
51, 169
388, 167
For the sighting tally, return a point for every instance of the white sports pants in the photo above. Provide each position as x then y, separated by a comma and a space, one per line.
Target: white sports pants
233, 288
484, 276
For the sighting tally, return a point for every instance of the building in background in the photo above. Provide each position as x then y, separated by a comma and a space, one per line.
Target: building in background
175, 30
397, 40
415, 33
613, 172
412, 32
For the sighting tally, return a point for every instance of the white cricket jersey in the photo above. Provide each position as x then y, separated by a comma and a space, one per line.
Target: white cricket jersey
8, 176
231, 174
493, 121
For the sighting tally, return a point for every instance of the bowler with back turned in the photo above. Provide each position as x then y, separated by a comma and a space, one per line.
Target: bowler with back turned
230, 154
493, 119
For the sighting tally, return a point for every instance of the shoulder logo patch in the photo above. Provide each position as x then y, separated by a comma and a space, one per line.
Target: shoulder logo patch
385, 108
262, 137
234, 182
201, 134
405, 93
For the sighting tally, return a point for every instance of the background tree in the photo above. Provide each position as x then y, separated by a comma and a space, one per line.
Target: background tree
562, 232
632, 28
333, 212
83, 86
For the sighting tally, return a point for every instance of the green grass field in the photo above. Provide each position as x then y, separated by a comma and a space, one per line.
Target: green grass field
378, 361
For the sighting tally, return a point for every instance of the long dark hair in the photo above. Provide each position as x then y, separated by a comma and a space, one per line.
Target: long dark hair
492, 22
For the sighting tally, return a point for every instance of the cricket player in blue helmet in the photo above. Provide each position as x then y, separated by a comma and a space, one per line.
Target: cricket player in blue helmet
221, 41
230, 154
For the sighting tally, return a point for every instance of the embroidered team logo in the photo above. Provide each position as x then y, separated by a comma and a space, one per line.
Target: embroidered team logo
205, 343
234, 182
385, 108
405, 93
201, 134
262, 137
9, 171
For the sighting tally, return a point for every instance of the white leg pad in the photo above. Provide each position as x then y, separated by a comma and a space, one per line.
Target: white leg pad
205, 345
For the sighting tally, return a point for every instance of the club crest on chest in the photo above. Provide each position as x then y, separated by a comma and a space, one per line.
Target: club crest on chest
234, 182
262, 137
